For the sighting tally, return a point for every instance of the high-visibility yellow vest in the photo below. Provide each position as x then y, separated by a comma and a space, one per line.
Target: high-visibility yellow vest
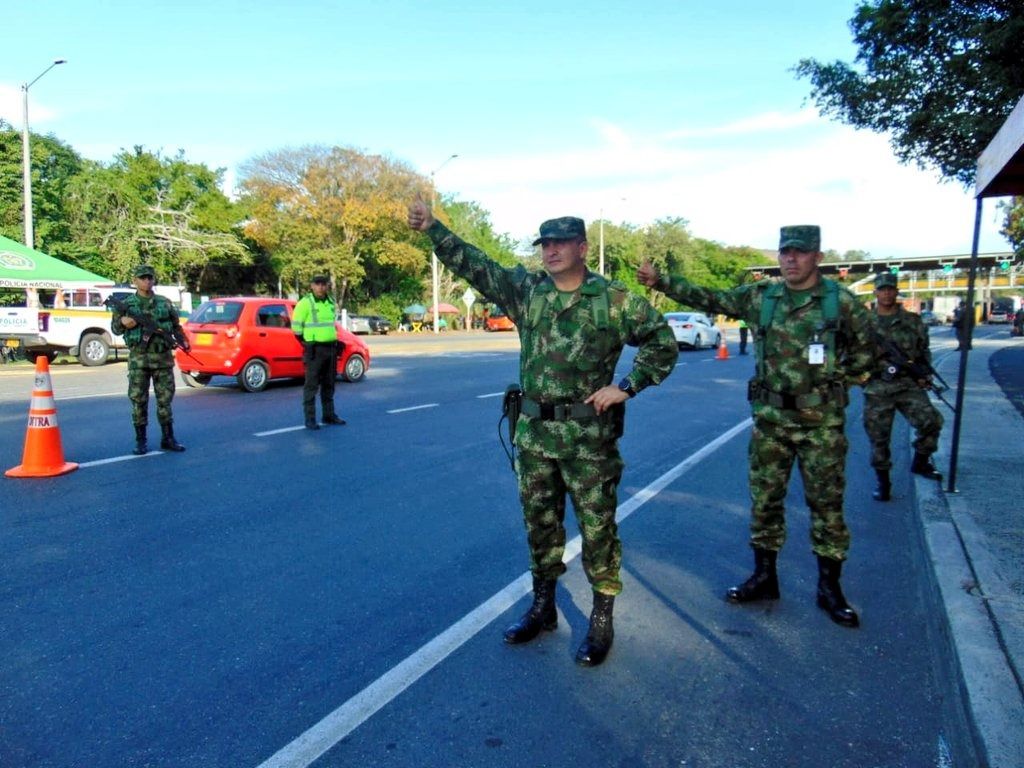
313, 320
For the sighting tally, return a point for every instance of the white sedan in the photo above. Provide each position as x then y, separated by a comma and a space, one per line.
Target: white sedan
693, 329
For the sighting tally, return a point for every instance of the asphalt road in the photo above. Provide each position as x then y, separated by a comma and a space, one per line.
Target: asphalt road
211, 608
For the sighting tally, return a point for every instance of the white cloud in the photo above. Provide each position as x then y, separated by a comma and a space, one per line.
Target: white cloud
12, 108
847, 181
769, 121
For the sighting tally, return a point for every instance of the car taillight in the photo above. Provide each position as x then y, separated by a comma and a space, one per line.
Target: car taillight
687, 325
231, 331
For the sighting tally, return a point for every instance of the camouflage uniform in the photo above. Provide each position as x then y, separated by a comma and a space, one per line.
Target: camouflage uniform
566, 356
887, 393
799, 408
154, 361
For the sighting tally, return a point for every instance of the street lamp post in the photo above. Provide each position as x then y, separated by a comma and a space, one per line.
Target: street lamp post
435, 277
26, 156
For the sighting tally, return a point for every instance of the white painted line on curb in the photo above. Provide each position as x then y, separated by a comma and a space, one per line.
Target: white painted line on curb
308, 747
414, 408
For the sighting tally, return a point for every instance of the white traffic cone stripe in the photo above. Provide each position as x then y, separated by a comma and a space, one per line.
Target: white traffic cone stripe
42, 403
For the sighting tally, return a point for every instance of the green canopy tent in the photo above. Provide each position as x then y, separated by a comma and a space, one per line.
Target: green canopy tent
22, 267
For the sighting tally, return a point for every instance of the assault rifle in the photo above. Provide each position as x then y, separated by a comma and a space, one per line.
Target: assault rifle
896, 360
175, 339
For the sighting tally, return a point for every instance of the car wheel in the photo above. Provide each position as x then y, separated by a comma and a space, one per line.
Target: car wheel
254, 376
196, 380
696, 341
93, 350
355, 367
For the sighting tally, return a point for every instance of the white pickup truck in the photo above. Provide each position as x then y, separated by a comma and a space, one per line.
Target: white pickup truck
80, 328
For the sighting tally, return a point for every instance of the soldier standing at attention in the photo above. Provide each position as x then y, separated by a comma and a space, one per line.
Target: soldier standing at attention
892, 388
812, 340
572, 326
150, 356
313, 325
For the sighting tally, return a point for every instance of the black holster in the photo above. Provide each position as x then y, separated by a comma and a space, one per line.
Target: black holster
511, 407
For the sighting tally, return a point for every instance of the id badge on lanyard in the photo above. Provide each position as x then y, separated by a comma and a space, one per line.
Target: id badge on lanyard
816, 351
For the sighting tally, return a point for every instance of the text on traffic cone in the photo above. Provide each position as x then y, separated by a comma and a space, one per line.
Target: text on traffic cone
44, 455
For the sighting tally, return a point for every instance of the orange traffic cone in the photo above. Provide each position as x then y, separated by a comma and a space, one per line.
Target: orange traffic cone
44, 456
723, 351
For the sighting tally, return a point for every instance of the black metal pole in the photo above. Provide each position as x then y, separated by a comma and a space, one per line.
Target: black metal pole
965, 347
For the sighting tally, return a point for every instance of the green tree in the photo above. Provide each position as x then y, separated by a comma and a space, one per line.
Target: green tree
54, 164
334, 210
939, 76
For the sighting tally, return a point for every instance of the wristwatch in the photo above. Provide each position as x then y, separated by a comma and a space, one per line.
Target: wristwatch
626, 386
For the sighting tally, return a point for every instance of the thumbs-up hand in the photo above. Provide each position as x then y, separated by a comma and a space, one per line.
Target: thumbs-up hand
420, 217
647, 274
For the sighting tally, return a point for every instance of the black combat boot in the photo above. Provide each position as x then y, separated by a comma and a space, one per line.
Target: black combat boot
830, 594
763, 583
601, 633
140, 441
884, 490
335, 419
542, 614
922, 465
168, 443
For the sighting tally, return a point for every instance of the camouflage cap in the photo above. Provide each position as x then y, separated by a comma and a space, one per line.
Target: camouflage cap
564, 228
803, 237
320, 279
144, 270
886, 280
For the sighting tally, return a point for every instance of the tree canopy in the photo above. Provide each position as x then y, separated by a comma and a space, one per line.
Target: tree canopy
939, 76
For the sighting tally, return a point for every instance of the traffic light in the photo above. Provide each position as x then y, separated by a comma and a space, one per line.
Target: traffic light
844, 271
947, 268
895, 271
1004, 265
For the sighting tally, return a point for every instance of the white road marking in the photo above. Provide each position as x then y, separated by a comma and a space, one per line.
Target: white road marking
115, 459
279, 431
414, 408
94, 394
316, 741
490, 394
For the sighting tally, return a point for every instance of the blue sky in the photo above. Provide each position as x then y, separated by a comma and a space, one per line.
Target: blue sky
636, 111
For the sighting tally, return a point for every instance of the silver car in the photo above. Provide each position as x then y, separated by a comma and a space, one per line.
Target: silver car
359, 324
693, 329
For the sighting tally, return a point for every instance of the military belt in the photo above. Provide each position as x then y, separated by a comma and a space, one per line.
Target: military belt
788, 402
557, 411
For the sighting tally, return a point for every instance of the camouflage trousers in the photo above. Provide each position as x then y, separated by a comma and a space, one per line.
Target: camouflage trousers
879, 412
591, 484
138, 392
821, 452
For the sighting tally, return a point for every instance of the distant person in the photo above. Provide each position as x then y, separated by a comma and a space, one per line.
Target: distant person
572, 325
146, 320
902, 338
813, 340
744, 330
962, 323
1018, 322
313, 325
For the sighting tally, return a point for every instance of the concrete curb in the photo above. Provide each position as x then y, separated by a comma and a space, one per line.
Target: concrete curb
981, 616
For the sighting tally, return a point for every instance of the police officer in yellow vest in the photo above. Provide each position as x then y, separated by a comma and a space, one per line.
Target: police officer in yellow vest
313, 325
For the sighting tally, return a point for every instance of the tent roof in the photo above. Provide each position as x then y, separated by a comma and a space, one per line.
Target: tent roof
23, 267
1001, 166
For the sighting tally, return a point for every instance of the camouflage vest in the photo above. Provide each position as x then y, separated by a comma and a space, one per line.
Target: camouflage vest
829, 309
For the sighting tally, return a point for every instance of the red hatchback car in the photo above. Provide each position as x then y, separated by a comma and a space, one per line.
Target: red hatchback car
251, 339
